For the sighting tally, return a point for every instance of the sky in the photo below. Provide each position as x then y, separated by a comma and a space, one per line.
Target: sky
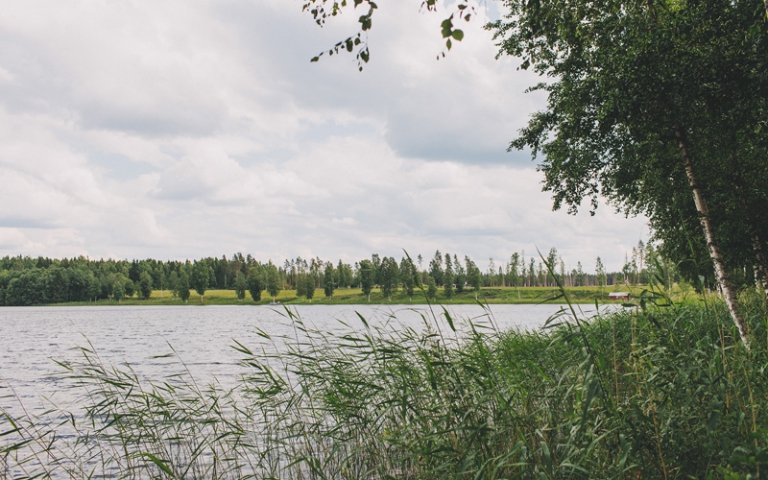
187, 129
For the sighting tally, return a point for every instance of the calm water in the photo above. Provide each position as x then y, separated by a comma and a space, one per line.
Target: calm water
31, 337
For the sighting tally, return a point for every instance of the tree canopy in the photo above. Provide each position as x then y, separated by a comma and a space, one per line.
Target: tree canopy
651, 104
659, 106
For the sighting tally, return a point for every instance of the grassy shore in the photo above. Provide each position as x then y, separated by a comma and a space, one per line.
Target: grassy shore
354, 296
666, 392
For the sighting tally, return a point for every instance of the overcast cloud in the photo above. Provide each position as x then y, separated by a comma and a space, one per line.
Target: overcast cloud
182, 129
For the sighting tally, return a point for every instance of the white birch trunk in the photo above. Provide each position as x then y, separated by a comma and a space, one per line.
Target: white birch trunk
723, 278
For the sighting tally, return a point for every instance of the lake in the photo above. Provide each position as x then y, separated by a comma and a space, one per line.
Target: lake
31, 337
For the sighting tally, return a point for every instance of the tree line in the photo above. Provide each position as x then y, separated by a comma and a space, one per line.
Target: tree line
38, 281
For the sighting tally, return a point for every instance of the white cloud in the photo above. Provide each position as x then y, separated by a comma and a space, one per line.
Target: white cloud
181, 129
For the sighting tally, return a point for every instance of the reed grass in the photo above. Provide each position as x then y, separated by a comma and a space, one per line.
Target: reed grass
662, 391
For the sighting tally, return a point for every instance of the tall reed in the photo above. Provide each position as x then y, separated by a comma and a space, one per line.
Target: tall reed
654, 392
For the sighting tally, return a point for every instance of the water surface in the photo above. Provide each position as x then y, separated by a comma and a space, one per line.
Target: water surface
202, 337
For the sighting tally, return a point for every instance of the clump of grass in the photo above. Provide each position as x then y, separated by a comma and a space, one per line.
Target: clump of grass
659, 392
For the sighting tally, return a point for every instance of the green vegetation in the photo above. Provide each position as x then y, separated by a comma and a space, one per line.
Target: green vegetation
356, 296
657, 106
667, 392
41, 281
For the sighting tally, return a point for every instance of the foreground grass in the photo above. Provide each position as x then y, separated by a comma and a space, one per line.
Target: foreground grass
663, 393
354, 296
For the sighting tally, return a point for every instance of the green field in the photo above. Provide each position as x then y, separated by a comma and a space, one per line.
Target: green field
354, 296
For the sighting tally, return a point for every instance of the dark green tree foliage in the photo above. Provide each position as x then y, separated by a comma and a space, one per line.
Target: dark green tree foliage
94, 287
473, 275
33, 281
388, 276
145, 285
130, 288
436, 268
579, 278
367, 277
329, 280
241, 285
134, 271
27, 288
551, 264
173, 282
183, 286
431, 288
43, 280
309, 287
448, 277
376, 262
513, 270
660, 107
409, 276
255, 283
159, 278
118, 292
273, 281
200, 278
448, 286
344, 275
301, 285
3, 285
461, 275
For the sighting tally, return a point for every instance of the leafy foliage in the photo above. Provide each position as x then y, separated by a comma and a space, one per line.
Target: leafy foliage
632, 82
323, 10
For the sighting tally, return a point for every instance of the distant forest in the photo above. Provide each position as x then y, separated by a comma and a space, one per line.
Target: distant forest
38, 281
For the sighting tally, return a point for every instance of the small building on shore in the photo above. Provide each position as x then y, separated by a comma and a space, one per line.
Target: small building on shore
618, 296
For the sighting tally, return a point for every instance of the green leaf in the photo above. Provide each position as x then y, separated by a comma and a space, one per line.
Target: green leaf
448, 315
457, 35
160, 464
362, 319
447, 27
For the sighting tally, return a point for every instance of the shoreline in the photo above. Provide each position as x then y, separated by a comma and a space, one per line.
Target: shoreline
487, 295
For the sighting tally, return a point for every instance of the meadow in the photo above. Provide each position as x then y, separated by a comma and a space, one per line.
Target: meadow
354, 296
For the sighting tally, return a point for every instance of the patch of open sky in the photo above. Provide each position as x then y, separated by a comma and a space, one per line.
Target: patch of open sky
279, 155
318, 133
12, 221
171, 150
448, 151
120, 167
491, 8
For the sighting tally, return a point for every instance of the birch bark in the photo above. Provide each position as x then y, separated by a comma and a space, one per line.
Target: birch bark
702, 208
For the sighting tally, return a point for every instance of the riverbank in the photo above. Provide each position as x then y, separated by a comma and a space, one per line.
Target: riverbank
659, 393
354, 296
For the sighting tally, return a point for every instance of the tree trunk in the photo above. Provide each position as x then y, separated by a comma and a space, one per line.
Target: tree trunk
718, 261
761, 265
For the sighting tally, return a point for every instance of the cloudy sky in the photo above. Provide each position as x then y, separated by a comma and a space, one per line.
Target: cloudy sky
180, 129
